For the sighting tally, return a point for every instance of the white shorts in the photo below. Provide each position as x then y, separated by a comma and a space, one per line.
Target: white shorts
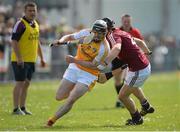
137, 78
75, 74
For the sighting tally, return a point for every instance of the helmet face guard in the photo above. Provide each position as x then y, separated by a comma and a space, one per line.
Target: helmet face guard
98, 36
99, 29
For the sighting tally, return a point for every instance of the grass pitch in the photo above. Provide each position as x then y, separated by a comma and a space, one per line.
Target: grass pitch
96, 110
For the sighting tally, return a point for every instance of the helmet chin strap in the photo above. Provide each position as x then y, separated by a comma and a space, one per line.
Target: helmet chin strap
97, 40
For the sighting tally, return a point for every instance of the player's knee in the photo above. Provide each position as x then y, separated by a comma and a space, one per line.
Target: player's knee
122, 95
20, 84
117, 79
27, 82
59, 98
117, 72
117, 82
26, 85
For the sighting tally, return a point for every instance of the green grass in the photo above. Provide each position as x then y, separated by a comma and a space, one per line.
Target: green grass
94, 111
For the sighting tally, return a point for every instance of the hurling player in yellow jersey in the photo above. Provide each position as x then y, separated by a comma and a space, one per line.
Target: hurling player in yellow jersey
25, 48
77, 79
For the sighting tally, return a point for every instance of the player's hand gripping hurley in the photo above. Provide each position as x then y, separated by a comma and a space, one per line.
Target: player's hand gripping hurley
84, 40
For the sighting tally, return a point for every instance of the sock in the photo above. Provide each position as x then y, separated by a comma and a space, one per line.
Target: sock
118, 87
136, 116
145, 104
53, 119
23, 108
15, 109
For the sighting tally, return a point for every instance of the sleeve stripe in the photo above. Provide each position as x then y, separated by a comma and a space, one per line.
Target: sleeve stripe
16, 26
111, 39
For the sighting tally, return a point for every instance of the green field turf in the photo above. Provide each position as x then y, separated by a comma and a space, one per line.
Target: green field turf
95, 111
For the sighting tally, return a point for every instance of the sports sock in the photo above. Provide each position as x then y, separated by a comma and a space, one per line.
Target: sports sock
53, 119
136, 116
145, 104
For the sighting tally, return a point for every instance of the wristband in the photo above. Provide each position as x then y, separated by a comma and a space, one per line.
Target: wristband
101, 67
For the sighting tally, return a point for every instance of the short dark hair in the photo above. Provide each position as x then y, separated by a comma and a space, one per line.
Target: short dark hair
29, 4
126, 15
110, 23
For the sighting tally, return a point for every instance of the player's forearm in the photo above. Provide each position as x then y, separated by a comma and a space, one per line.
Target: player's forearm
113, 54
40, 52
66, 38
15, 47
86, 64
142, 45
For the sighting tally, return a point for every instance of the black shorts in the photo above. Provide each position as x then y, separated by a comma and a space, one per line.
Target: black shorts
117, 63
23, 73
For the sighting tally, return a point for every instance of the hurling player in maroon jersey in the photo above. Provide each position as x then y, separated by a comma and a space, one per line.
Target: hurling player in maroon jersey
119, 75
126, 48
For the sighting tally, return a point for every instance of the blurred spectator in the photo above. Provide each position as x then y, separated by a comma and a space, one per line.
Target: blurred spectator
159, 56
2, 27
79, 27
126, 21
63, 29
49, 30
8, 30
18, 10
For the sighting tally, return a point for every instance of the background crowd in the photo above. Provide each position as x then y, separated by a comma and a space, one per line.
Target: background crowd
165, 49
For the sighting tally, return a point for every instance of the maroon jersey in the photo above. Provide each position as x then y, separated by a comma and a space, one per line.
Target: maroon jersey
130, 53
134, 32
